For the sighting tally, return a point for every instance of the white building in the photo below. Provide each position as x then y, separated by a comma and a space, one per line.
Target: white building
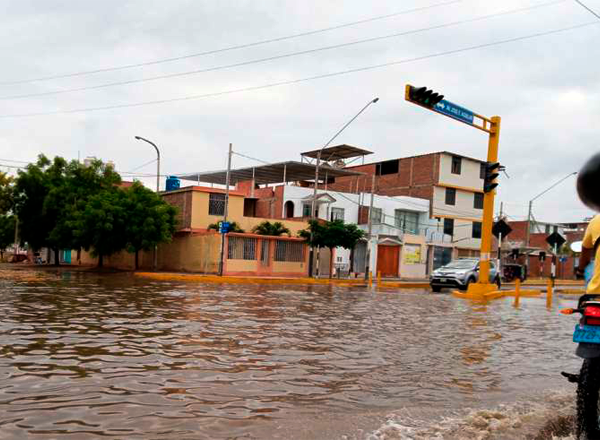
404, 238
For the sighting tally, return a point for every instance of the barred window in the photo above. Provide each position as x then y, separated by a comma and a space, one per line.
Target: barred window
241, 248
216, 204
292, 251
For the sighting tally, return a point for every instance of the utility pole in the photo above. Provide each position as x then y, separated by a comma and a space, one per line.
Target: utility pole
527, 262
225, 209
370, 228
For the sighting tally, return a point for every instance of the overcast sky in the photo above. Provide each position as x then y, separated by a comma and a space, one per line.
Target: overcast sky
546, 89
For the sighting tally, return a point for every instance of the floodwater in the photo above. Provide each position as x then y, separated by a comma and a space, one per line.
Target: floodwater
87, 356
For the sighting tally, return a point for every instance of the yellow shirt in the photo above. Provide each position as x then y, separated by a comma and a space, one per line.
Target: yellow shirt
592, 234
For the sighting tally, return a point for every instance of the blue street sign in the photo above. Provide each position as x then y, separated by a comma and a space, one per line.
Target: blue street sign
224, 227
454, 111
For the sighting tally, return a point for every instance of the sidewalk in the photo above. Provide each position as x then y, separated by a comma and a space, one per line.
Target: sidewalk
201, 278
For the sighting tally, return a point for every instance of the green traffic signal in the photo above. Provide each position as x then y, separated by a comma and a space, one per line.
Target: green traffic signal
423, 96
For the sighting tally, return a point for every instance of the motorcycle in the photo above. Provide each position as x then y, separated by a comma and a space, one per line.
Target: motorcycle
587, 335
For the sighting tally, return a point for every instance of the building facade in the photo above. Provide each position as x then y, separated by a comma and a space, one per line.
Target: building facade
452, 183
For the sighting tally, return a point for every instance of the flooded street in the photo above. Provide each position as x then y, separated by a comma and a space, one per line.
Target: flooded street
86, 355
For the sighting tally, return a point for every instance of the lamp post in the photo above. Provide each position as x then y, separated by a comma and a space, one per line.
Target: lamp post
139, 138
314, 199
530, 209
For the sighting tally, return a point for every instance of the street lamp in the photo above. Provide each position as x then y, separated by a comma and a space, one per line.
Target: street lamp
531, 205
139, 138
314, 199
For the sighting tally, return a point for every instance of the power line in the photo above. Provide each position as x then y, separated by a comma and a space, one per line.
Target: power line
230, 48
277, 57
250, 157
142, 166
589, 9
301, 80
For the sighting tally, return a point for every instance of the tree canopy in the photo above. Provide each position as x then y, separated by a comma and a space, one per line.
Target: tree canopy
331, 235
69, 205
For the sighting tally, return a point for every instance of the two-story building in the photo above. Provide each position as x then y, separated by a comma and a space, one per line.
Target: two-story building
452, 183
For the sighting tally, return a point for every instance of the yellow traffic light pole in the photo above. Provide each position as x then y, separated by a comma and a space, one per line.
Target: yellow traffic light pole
483, 289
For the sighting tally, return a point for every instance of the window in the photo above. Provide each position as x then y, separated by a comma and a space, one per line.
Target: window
377, 216
450, 196
291, 251
408, 221
241, 248
216, 204
456, 164
449, 226
389, 167
482, 171
337, 214
476, 230
478, 201
306, 210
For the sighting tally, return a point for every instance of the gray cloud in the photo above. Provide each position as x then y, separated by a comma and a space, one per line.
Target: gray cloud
546, 89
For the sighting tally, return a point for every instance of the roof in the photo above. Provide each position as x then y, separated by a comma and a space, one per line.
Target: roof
419, 155
291, 171
202, 189
337, 152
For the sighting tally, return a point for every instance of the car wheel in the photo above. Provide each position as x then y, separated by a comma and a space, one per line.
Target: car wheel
469, 281
436, 288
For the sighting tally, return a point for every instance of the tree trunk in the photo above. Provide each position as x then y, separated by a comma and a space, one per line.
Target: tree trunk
136, 259
351, 269
330, 263
56, 257
100, 260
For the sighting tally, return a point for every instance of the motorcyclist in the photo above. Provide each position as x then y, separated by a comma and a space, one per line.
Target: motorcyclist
588, 188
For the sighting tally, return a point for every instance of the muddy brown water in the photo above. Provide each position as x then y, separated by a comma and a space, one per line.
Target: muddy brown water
90, 356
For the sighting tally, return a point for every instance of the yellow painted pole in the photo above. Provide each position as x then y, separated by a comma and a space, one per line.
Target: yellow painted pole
379, 278
549, 294
370, 278
517, 292
488, 207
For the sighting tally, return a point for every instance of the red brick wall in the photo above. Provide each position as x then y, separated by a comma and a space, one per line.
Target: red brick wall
415, 178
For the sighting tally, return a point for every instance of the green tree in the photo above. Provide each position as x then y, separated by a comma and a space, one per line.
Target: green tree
233, 227
6, 193
101, 225
332, 235
267, 228
7, 233
48, 194
150, 220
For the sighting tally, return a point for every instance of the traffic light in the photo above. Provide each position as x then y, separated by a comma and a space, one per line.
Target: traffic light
491, 174
422, 96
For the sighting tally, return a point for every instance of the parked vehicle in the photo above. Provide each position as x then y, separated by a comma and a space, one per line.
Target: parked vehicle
460, 273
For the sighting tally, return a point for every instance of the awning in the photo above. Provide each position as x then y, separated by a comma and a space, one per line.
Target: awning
337, 152
282, 172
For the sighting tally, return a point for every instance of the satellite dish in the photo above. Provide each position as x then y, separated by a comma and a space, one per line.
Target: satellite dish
576, 246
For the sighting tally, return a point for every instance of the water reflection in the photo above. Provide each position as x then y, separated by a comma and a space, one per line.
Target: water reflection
128, 357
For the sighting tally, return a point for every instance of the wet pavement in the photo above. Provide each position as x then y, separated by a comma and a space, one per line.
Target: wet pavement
84, 356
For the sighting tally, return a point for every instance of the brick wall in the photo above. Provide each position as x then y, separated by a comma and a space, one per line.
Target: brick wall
182, 201
415, 178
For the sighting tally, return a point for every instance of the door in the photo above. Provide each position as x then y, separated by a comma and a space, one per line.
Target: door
388, 260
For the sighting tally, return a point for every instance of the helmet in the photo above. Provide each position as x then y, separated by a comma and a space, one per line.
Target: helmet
588, 183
